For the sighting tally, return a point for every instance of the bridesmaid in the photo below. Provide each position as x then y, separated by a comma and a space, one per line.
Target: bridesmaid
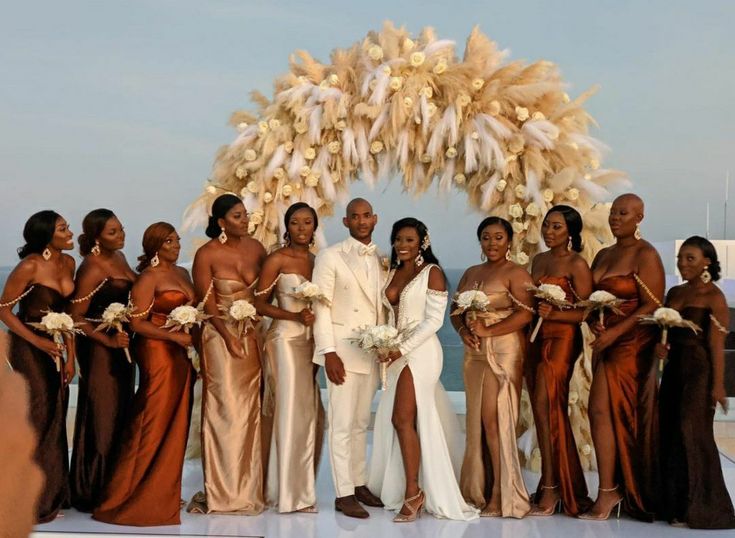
299, 415
694, 491
106, 378
622, 402
551, 364
225, 270
493, 375
41, 282
145, 485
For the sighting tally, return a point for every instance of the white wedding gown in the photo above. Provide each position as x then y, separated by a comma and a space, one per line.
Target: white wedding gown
422, 310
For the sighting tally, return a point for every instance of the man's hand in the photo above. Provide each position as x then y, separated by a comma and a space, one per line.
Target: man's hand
334, 368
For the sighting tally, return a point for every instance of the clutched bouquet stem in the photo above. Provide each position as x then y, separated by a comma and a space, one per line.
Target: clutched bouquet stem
309, 292
552, 294
114, 316
599, 301
57, 325
242, 315
381, 340
666, 318
183, 318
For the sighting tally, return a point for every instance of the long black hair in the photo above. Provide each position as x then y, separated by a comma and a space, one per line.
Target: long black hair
574, 223
293, 208
421, 230
708, 251
38, 232
220, 207
92, 227
489, 221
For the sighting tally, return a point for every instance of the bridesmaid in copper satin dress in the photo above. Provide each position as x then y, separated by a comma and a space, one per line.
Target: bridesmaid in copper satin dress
694, 491
225, 270
551, 364
298, 428
41, 282
491, 477
145, 486
622, 405
106, 378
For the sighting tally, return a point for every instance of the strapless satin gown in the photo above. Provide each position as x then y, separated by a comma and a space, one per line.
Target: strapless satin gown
693, 489
48, 402
631, 380
502, 357
145, 487
298, 430
552, 357
232, 453
106, 388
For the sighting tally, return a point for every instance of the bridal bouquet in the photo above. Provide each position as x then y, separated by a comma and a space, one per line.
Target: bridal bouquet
471, 301
183, 318
552, 294
57, 325
241, 314
666, 318
380, 339
309, 292
599, 301
113, 318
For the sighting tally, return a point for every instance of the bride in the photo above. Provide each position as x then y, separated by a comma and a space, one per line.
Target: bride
415, 459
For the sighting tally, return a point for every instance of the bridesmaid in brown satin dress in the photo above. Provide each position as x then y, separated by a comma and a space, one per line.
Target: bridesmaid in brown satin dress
225, 270
298, 428
551, 364
145, 485
41, 282
622, 405
491, 477
106, 378
694, 491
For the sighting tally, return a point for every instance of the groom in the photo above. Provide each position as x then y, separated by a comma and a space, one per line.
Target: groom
351, 276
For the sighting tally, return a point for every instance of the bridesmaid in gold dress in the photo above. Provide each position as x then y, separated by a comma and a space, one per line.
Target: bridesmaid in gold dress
299, 415
493, 375
622, 408
551, 361
43, 281
106, 378
145, 486
226, 270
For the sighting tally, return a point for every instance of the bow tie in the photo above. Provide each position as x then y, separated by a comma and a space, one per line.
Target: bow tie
368, 250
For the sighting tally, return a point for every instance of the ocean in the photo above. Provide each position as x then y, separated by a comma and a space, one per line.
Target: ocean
451, 344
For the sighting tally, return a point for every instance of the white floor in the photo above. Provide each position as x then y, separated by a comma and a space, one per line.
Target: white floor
328, 524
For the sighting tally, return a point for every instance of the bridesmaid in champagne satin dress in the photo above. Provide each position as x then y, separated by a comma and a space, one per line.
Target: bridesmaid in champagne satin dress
42, 282
623, 407
551, 362
145, 485
298, 428
694, 491
491, 477
106, 378
226, 270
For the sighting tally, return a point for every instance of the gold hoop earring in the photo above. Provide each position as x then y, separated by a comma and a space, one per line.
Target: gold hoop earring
706, 276
46, 254
637, 233
222, 237
96, 248
155, 261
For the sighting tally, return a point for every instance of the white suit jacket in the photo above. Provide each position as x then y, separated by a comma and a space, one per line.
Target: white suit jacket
339, 271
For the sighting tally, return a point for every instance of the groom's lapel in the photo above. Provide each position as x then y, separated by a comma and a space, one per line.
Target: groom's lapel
353, 262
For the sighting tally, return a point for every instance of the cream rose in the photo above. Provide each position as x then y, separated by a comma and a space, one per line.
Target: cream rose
451, 152
267, 197
304, 171
312, 181
572, 194
521, 113
333, 147
376, 147
515, 211
440, 67
242, 126
520, 191
533, 210
417, 58
501, 185
256, 217
407, 102
309, 153
287, 190
341, 125
396, 83
274, 124
240, 172
250, 155
517, 226
375, 52
548, 195
241, 310
333, 79
288, 146
477, 84
460, 179
494, 108
252, 186
538, 115
211, 189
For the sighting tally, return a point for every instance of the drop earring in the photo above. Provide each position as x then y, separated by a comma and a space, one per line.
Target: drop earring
46, 254
154, 260
637, 233
569, 243
706, 276
419, 260
222, 237
287, 239
96, 248
483, 257
507, 254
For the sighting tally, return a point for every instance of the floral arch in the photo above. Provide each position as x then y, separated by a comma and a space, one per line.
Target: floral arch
506, 133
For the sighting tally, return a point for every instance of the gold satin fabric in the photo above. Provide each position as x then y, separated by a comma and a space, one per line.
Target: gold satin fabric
501, 356
298, 428
232, 453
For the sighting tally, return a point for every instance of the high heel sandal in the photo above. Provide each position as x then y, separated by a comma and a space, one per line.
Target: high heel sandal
555, 508
415, 511
602, 517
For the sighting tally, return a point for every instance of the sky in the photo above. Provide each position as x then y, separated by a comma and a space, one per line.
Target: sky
123, 104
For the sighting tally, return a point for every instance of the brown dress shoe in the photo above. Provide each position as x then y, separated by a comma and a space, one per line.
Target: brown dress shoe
365, 496
350, 507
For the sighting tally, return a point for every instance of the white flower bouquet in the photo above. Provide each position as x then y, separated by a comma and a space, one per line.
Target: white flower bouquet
599, 301
184, 318
309, 292
113, 318
666, 318
57, 325
471, 301
380, 339
552, 294
242, 315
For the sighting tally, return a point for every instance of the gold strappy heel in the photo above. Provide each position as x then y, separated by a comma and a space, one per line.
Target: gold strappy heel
415, 511
602, 517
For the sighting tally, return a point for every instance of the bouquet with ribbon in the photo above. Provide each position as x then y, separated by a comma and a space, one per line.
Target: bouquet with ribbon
381, 339
113, 318
57, 325
471, 301
552, 294
309, 292
666, 318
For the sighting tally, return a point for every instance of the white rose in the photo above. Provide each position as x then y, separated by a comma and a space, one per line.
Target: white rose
113, 312
385, 333
602, 296
451, 152
521, 113
477, 84
241, 310
500, 186
554, 291
184, 315
267, 197
309, 153
386, 69
307, 289
250, 155
572, 194
396, 83
375, 52
333, 79
376, 147
460, 179
533, 210
520, 191
515, 211
548, 195
417, 58
240, 172
287, 190
667, 316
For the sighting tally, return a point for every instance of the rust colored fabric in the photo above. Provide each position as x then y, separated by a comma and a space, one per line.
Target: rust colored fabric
551, 358
48, 402
631, 379
145, 488
106, 389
